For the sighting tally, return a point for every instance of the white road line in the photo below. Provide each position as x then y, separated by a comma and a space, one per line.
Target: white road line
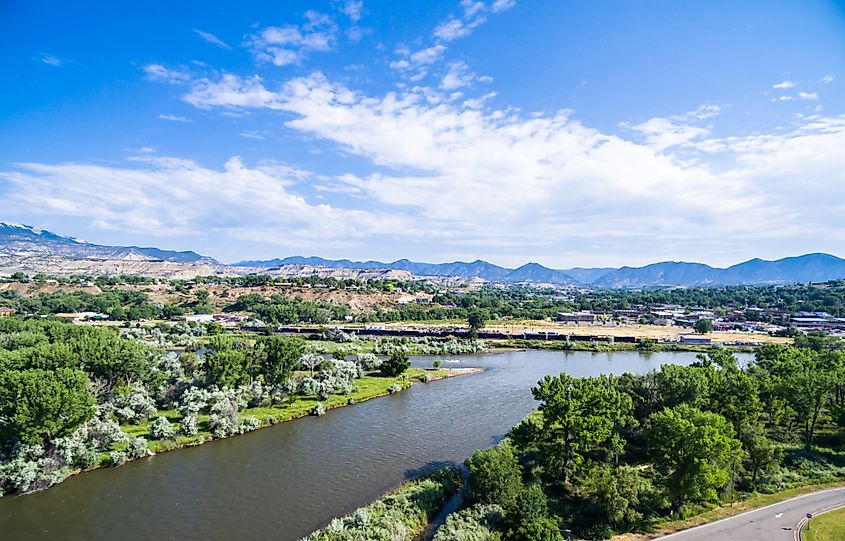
751, 511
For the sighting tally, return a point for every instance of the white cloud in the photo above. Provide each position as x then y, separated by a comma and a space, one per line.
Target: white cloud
662, 133
52, 60
458, 76
427, 56
252, 135
502, 5
157, 72
171, 196
174, 118
289, 44
497, 178
352, 9
808, 95
455, 27
828, 79
211, 38
784, 85
452, 29
232, 91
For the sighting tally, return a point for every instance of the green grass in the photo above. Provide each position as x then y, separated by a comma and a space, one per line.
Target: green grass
827, 527
724, 511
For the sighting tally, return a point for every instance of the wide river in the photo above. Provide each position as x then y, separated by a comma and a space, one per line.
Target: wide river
285, 481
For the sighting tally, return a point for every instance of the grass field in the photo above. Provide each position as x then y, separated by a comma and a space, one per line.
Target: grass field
827, 527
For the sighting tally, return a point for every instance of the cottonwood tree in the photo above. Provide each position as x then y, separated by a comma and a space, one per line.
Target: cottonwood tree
38, 405
281, 355
396, 364
579, 416
311, 361
695, 450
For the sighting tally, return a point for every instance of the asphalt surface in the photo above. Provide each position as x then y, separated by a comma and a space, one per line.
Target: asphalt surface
776, 522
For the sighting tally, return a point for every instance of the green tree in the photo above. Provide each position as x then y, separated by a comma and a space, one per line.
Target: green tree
494, 475
622, 494
475, 320
695, 450
703, 326
281, 356
529, 517
761, 454
229, 367
579, 417
396, 364
38, 405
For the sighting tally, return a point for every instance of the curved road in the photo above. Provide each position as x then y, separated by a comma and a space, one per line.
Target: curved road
776, 522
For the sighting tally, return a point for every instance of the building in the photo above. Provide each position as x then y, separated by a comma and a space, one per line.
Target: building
198, 318
5, 311
696, 340
576, 317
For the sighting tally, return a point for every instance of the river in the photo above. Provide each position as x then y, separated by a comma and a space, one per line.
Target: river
285, 481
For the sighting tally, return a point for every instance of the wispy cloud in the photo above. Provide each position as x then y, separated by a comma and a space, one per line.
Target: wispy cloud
808, 96
352, 9
157, 72
455, 27
502, 5
174, 118
211, 38
459, 76
289, 44
784, 85
52, 60
828, 79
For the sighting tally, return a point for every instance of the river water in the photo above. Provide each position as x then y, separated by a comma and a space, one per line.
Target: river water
285, 481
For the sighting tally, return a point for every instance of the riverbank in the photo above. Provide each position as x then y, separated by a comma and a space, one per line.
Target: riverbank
296, 407
366, 388
403, 514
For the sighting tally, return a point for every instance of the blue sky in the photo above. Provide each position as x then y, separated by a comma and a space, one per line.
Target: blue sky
567, 133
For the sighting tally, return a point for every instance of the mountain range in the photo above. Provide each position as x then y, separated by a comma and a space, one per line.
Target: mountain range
27, 248
806, 268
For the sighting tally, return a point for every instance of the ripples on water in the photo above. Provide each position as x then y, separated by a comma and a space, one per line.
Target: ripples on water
283, 482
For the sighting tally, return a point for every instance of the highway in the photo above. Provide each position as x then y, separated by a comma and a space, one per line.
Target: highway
776, 522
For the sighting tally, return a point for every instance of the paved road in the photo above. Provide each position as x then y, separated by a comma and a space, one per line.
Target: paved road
773, 523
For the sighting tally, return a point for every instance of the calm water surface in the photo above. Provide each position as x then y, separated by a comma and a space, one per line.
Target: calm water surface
283, 482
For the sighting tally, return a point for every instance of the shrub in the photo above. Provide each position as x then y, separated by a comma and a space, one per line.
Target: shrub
223, 414
116, 458
134, 406
402, 515
476, 523
188, 426
318, 409
137, 447
368, 361
250, 423
161, 429
395, 388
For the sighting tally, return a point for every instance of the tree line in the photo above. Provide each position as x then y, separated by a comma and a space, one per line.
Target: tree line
604, 455
66, 390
